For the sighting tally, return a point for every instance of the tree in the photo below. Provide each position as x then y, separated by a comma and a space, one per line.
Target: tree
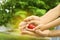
22, 8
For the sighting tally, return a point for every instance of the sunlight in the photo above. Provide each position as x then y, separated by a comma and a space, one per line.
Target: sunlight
1, 1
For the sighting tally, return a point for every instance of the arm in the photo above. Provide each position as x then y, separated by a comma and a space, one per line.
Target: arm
54, 33
49, 33
50, 15
51, 24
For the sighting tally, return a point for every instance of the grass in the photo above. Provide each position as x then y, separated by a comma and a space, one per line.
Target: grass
4, 36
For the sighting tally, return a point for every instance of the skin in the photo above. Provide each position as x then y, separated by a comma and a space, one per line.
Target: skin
50, 19
50, 15
50, 33
51, 24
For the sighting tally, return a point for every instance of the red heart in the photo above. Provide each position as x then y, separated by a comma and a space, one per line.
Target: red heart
31, 26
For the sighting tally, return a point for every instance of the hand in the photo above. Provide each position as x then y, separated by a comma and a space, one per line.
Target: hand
44, 33
31, 18
25, 31
26, 21
34, 24
36, 32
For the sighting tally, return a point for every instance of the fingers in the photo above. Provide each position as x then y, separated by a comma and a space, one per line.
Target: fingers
31, 18
22, 23
26, 32
26, 24
34, 22
29, 33
31, 21
43, 33
46, 32
28, 21
39, 32
38, 27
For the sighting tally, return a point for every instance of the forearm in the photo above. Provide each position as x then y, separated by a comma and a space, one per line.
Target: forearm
50, 15
54, 33
51, 24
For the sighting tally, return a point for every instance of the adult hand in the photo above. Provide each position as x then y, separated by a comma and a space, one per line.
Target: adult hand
26, 21
35, 32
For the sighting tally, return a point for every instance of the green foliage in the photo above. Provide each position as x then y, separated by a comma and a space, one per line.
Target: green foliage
4, 36
15, 7
40, 12
21, 13
4, 17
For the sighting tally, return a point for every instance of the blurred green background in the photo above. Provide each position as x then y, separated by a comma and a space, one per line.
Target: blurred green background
12, 12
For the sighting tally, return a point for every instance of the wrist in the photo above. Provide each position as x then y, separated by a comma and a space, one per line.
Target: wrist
54, 33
